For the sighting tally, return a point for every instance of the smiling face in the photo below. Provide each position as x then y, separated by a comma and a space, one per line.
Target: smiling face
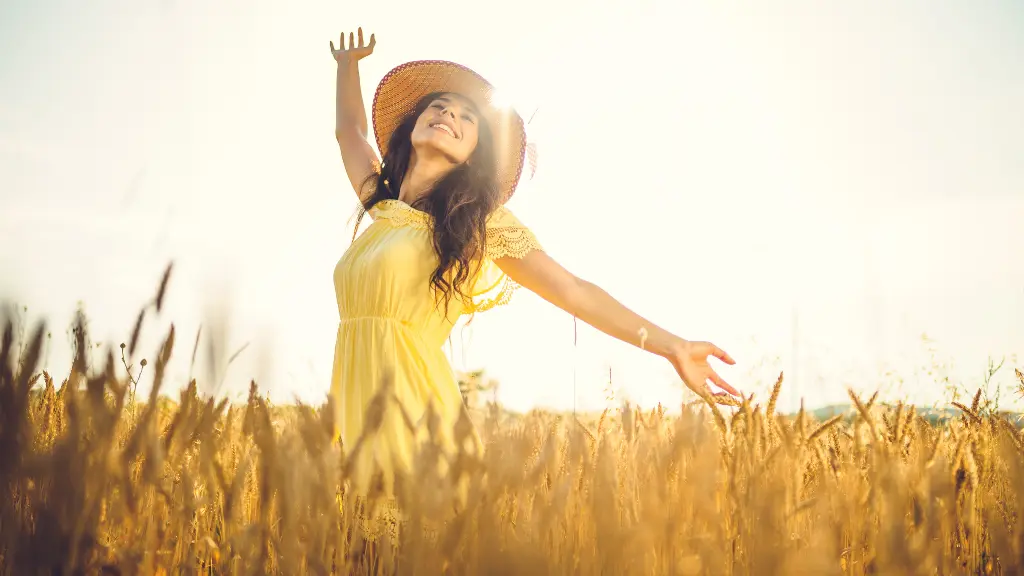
448, 126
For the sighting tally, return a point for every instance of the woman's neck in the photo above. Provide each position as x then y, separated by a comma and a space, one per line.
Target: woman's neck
421, 177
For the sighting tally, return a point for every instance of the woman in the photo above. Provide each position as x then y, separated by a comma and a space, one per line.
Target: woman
442, 245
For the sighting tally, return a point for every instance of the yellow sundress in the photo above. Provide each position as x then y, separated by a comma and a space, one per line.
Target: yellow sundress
391, 326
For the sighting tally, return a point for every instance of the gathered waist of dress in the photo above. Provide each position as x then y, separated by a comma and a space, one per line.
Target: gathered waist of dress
421, 333
380, 318
375, 318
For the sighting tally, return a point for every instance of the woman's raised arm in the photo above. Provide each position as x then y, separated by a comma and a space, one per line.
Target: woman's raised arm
350, 127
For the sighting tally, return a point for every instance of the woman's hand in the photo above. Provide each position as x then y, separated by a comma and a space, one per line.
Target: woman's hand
690, 359
353, 53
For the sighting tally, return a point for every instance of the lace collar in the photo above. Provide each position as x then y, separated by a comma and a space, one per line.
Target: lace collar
400, 213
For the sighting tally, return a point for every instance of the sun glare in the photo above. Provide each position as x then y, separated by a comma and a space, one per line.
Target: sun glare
501, 99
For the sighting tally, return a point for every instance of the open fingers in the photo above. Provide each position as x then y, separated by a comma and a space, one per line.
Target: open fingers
718, 381
354, 43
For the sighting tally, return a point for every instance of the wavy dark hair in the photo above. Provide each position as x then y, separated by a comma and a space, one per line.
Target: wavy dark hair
458, 205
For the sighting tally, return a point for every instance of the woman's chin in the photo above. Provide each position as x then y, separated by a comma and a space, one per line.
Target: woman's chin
433, 148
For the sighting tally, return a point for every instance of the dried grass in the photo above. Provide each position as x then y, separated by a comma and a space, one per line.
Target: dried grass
95, 482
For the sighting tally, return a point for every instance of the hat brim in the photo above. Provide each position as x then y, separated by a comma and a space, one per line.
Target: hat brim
404, 86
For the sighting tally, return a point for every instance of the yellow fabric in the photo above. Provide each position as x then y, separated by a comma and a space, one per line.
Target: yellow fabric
391, 325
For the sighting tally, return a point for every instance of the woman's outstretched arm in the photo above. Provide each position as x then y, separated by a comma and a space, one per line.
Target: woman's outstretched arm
350, 126
540, 274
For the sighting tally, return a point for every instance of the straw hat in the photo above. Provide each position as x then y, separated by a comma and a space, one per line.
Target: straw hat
402, 87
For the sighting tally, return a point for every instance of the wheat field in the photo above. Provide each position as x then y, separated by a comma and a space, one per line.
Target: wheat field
97, 481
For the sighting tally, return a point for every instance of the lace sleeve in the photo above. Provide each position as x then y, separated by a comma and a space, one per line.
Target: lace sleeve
507, 237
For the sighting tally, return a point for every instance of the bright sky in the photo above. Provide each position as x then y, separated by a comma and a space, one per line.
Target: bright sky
810, 186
